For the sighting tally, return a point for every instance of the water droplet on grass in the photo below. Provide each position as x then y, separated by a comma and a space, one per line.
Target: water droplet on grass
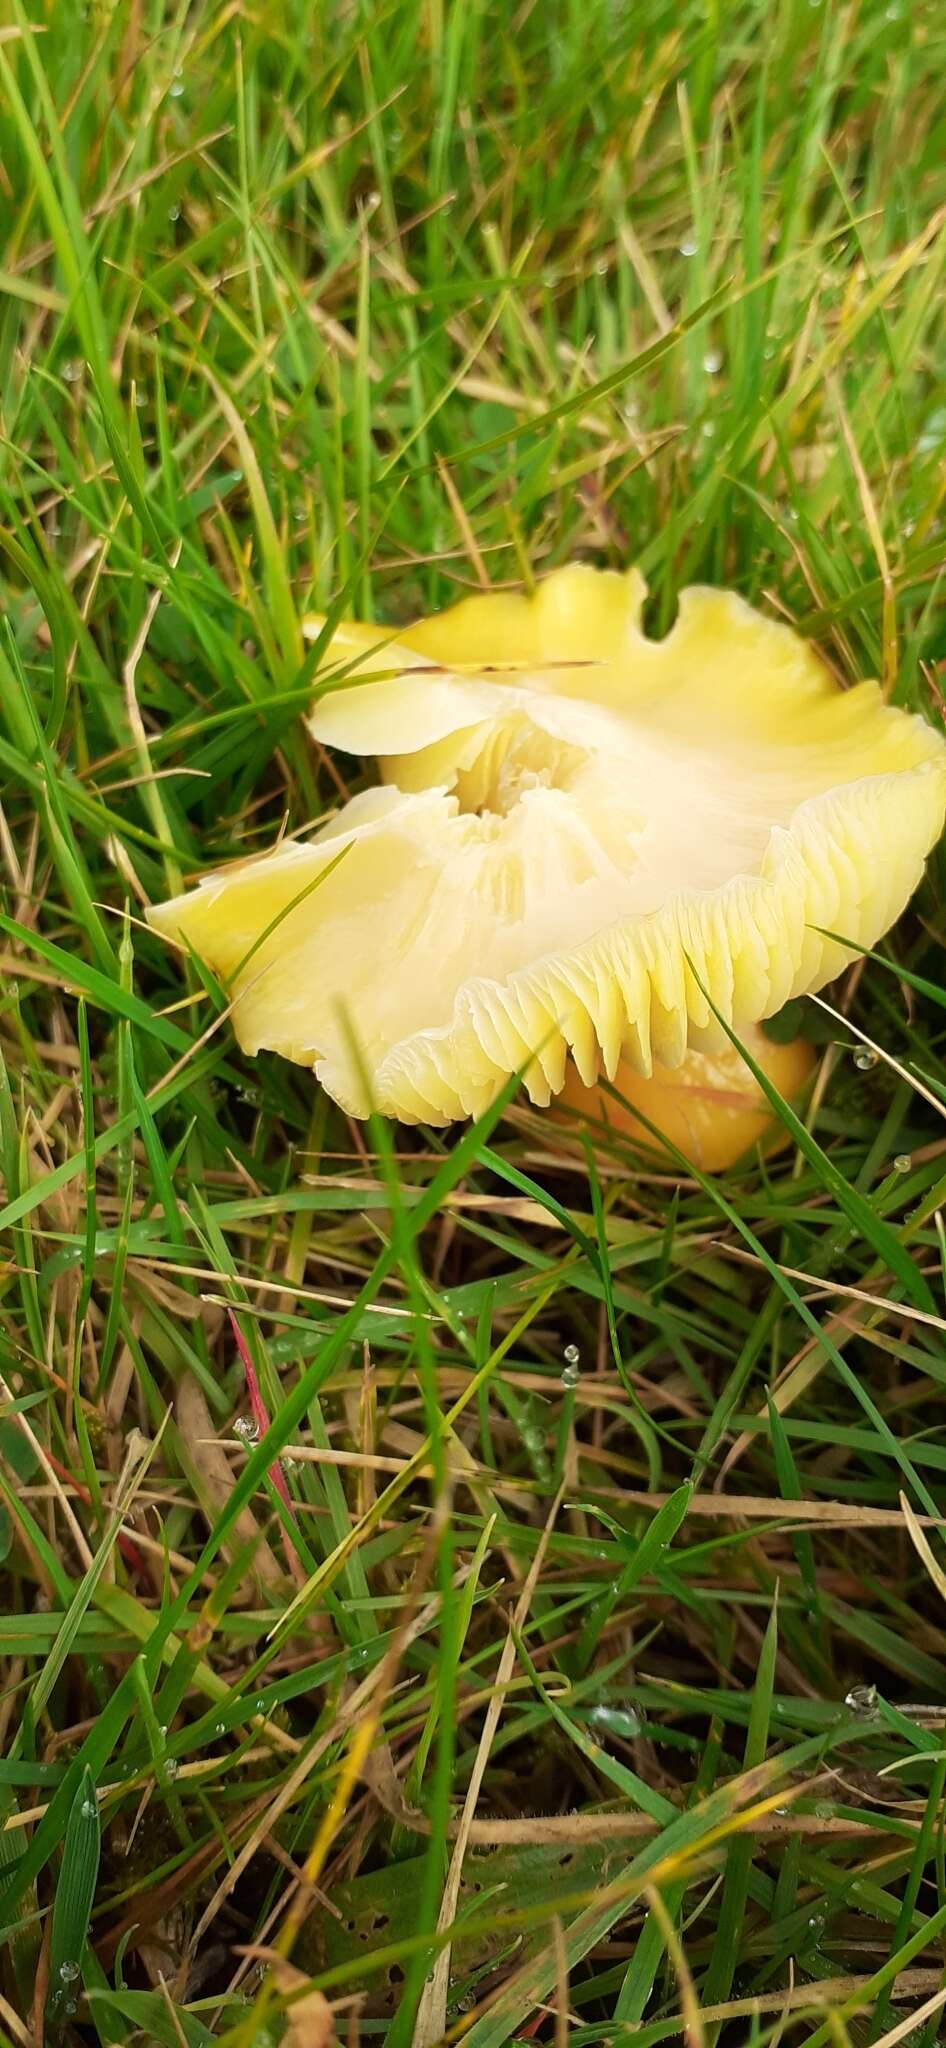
864, 1059
712, 361
689, 246
862, 1699
617, 1720
247, 1429
903, 1162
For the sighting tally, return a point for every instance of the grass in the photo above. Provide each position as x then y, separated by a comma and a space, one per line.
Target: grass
367, 306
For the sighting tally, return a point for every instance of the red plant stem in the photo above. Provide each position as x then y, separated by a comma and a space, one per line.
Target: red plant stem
258, 1410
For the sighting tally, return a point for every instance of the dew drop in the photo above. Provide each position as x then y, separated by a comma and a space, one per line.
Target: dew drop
572, 1356
68, 1971
171, 1766
72, 370
902, 1163
864, 1059
219, 1728
712, 361
617, 1720
689, 246
88, 1809
862, 1699
247, 1429
176, 88
174, 213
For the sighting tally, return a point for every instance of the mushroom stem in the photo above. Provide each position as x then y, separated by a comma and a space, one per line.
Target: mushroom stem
710, 1107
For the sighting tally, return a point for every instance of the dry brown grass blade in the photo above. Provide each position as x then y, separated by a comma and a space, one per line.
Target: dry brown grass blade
823, 1288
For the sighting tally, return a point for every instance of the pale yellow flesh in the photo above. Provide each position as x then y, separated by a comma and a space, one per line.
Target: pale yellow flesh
581, 825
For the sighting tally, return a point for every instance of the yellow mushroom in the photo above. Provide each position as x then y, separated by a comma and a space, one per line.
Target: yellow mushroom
578, 832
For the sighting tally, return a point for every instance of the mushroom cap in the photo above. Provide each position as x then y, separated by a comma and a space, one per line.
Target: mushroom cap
580, 825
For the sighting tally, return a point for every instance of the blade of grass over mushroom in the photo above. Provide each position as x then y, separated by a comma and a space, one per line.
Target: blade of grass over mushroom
286, 911
931, 990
